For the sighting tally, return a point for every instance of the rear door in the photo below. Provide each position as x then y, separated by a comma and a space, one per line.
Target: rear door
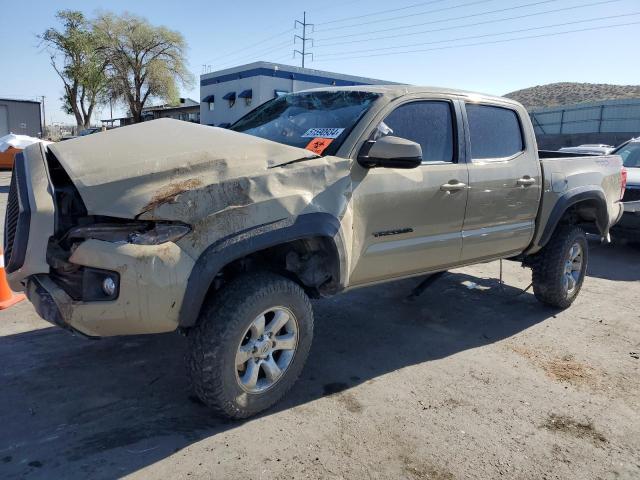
410, 221
504, 182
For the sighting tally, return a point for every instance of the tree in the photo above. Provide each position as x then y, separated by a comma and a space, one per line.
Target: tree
144, 62
76, 58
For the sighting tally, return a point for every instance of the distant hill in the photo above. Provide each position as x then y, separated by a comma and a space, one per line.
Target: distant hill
567, 93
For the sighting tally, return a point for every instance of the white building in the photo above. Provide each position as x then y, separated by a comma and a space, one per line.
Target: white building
226, 95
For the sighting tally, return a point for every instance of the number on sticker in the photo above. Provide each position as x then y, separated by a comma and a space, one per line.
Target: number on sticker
323, 133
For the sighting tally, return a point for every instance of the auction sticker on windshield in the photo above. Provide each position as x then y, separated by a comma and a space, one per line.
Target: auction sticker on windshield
323, 133
319, 145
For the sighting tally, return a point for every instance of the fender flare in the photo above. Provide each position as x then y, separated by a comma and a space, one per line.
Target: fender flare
246, 242
571, 198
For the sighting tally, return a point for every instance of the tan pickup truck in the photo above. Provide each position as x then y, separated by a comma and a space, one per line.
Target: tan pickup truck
225, 234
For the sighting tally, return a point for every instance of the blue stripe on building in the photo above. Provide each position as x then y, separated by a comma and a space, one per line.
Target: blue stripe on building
270, 72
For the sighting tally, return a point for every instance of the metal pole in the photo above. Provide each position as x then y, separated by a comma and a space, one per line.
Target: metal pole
304, 36
44, 119
600, 119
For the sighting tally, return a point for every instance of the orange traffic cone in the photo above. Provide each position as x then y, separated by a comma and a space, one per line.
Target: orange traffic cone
7, 297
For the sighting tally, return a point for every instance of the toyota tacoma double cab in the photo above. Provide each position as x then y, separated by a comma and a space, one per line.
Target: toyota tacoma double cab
225, 234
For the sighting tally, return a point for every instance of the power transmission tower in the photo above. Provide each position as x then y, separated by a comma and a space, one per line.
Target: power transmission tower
303, 38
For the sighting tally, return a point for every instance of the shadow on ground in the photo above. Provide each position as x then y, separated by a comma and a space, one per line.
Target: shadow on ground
73, 408
618, 261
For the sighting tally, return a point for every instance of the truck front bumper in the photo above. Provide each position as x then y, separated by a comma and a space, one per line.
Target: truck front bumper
152, 281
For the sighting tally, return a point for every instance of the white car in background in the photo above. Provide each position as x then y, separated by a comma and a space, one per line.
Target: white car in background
629, 226
589, 149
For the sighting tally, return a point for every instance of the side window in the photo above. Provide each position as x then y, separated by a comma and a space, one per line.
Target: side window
428, 123
495, 132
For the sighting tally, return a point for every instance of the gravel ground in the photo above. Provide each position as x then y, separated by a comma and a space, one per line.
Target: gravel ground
471, 380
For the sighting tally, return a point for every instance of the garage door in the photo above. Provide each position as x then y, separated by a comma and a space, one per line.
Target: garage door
4, 120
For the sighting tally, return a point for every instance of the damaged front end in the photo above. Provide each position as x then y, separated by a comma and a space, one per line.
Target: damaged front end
73, 226
117, 221
78, 262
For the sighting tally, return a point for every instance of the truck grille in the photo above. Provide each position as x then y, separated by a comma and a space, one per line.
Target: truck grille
11, 217
17, 218
631, 195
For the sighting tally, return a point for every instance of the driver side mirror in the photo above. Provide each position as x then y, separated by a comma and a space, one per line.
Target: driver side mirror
390, 152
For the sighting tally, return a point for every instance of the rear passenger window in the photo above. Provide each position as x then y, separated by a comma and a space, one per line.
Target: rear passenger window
495, 132
428, 123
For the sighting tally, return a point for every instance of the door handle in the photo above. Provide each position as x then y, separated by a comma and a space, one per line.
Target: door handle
526, 181
452, 187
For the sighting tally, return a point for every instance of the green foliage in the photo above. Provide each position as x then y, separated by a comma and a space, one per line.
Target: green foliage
144, 61
115, 57
66, 104
76, 57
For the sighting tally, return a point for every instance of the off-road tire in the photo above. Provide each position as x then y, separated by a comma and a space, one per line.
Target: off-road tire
222, 323
549, 266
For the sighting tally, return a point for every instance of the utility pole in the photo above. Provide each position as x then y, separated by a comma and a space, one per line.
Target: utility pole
303, 38
44, 120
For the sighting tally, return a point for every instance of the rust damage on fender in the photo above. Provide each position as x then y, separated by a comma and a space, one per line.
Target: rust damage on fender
169, 193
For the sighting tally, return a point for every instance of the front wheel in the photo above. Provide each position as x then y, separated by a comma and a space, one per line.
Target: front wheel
560, 267
250, 344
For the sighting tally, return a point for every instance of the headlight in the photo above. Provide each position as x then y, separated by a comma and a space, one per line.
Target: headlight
161, 233
138, 233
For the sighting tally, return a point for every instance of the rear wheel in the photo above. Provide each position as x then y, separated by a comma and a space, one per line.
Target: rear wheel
560, 267
250, 344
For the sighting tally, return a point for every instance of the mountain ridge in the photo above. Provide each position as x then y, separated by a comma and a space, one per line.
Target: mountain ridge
568, 93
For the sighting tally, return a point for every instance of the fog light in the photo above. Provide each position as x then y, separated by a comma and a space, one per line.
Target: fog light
109, 286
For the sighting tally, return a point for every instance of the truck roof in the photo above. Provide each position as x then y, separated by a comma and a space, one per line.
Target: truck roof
399, 90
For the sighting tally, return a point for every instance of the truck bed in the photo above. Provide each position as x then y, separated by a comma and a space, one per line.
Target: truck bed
566, 176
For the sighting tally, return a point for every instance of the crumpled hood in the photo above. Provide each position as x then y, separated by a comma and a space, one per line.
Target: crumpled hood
128, 171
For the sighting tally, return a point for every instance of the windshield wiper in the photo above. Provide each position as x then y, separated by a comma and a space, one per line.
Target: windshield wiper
296, 160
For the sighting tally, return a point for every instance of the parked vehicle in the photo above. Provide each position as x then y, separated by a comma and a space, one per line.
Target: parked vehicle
224, 234
629, 226
589, 149
85, 132
10, 145
89, 131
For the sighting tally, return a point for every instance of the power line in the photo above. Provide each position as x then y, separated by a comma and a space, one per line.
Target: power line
468, 4
325, 6
485, 43
475, 24
521, 30
256, 54
283, 57
446, 19
249, 47
380, 12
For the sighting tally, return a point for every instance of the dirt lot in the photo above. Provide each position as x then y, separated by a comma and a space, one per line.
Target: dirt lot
469, 381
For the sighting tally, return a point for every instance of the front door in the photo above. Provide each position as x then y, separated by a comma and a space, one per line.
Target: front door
410, 221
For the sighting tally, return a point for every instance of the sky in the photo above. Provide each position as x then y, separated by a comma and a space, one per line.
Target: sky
489, 46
